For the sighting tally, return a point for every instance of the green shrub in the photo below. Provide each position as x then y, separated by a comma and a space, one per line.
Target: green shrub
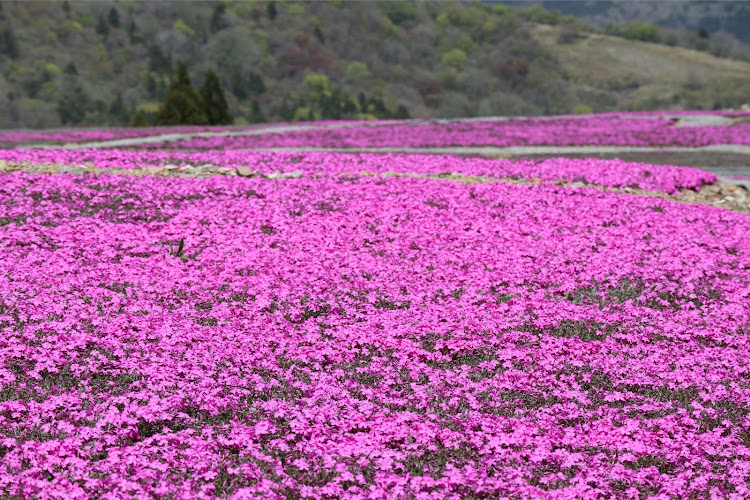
643, 32
398, 12
456, 58
357, 71
180, 26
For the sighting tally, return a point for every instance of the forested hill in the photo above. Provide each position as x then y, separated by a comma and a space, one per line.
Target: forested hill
98, 63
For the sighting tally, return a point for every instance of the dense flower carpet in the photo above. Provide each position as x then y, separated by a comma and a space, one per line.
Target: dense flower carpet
342, 335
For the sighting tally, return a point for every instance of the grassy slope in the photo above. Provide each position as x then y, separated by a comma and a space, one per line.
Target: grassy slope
600, 62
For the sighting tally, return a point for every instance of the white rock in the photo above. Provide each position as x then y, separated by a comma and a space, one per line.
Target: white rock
244, 171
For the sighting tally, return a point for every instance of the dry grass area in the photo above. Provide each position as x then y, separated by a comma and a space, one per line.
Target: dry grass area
652, 71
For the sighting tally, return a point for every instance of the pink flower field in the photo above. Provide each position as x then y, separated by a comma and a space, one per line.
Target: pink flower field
347, 336
608, 173
561, 131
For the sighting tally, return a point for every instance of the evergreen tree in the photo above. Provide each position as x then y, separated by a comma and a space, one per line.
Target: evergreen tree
255, 84
271, 10
66, 8
256, 115
183, 105
319, 34
102, 27
132, 28
237, 84
138, 120
216, 23
117, 110
349, 107
71, 69
157, 61
401, 113
113, 18
9, 44
214, 103
72, 100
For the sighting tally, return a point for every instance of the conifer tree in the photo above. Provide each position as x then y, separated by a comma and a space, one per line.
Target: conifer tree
271, 10
256, 115
9, 44
138, 120
214, 103
183, 105
102, 28
113, 18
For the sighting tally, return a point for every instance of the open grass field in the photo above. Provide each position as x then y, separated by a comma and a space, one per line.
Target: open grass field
250, 324
644, 74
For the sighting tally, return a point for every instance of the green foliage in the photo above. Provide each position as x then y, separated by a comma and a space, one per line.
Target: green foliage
582, 109
319, 34
9, 44
303, 114
52, 69
455, 15
504, 10
216, 22
180, 26
183, 77
456, 58
102, 28
214, 103
138, 120
643, 32
466, 44
318, 85
179, 251
399, 12
295, 9
256, 115
183, 105
538, 14
158, 62
117, 110
357, 71
113, 18
71, 27
271, 11
72, 100
243, 86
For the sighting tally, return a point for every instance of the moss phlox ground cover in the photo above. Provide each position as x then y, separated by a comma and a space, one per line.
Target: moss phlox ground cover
609, 173
593, 131
360, 337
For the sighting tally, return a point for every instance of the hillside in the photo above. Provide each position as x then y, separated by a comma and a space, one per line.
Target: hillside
732, 17
641, 75
97, 63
